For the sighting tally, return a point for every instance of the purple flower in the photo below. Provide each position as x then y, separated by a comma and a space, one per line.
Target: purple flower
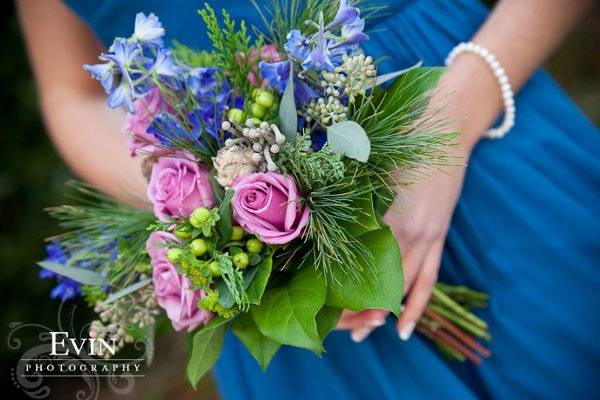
297, 45
148, 29
123, 53
122, 96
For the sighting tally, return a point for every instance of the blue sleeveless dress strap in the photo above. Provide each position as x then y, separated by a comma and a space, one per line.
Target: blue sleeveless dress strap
525, 230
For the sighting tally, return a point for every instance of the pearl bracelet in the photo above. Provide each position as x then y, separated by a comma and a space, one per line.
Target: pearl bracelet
507, 93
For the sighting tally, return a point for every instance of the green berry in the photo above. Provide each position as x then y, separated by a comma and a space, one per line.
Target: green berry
257, 110
254, 246
256, 121
264, 99
241, 260
183, 234
237, 233
235, 115
254, 92
198, 247
199, 217
215, 269
174, 255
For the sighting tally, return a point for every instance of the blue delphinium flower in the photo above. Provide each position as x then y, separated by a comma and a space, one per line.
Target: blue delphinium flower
148, 29
164, 64
202, 82
346, 14
66, 288
297, 45
277, 75
105, 73
352, 33
318, 59
167, 129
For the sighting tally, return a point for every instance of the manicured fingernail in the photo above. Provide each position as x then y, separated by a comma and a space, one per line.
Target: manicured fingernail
407, 330
360, 334
375, 323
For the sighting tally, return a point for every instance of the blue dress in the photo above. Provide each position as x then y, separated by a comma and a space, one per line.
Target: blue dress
525, 231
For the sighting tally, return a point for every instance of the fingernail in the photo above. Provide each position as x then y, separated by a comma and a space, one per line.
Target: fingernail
407, 330
375, 323
358, 335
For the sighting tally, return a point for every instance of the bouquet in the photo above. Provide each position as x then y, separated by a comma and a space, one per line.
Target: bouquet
271, 160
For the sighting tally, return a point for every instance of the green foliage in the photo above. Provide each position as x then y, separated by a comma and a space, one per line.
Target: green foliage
281, 16
381, 286
92, 294
261, 347
80, 275
206, 347
311, 169
234, 280
327, 320
229, 43
96, 223
191, 57
404, 132
288, 114
287, 313
226, 221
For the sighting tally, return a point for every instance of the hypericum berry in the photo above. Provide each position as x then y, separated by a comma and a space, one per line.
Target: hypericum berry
198, 247
237, 233
199, 217
257, 110
241, 260
253, 121
183, 234
215, 269
265, 99
235, 115
254, 246
174, 255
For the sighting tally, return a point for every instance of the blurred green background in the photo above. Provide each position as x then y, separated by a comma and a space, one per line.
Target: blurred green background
32, 177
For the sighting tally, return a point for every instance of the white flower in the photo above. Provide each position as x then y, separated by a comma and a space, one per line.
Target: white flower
234, 162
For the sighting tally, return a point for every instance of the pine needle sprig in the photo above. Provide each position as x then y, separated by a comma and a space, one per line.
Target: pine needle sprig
99, 222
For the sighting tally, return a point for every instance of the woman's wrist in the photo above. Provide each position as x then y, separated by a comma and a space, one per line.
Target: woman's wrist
475, 100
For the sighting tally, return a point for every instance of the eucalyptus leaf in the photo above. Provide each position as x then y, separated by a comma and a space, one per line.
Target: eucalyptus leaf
124, 292
287, 313
261, 347
288, 114
80, 275
350, 139
381, 285
206, 347
381, 79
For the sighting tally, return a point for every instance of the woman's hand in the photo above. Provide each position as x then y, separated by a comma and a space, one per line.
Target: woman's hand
421, 214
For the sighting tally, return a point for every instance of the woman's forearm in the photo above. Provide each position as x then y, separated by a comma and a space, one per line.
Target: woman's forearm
521, 34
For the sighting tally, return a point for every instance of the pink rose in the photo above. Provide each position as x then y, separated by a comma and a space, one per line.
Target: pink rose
147, 108
178, 185
267, 204
173, 291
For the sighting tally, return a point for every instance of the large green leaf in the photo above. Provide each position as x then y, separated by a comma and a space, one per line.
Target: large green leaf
381, 79
350, 139
380, 286
224, 223
327, 320
257, 286
287, 313
206, 347
80, 275
261, 347
288, 114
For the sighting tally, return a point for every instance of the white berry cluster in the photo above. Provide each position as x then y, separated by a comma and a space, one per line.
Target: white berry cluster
139, 309
326, 112
250, 149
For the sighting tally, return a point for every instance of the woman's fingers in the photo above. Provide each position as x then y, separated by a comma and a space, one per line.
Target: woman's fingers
362, 323
420, 292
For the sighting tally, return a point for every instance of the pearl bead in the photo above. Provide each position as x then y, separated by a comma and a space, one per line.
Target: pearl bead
500, 74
